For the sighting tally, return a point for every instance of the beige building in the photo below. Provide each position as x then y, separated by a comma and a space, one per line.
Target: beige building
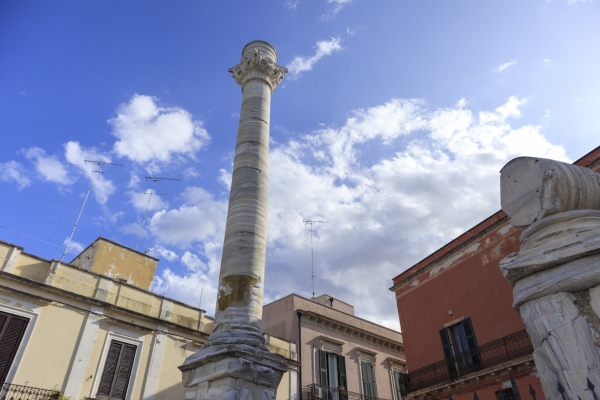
93, 330
342, 356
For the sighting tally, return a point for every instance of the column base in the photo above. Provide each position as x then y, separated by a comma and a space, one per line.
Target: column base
233, 367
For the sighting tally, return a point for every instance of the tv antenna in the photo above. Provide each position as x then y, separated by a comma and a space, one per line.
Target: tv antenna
98, 164
151, 193
312, 253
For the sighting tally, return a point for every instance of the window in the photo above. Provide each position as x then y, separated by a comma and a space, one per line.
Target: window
460, 347
368, 379
399, 379
117, 370
12, 328
332, 371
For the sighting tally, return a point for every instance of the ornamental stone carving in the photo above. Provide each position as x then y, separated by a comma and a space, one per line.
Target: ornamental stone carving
556, 273
258, 62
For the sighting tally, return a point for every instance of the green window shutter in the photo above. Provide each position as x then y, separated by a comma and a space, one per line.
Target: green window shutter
342, 371
323, 367
398, 385
368, 378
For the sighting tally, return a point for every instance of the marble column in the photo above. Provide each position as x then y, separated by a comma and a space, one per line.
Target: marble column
235, 363
556, 273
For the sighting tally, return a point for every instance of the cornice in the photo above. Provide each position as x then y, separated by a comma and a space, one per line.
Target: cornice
343, 329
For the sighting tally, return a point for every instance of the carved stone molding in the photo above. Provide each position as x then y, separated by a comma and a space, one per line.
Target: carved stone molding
343, 329
258, 64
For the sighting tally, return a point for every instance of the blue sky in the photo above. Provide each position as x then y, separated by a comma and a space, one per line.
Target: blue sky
392, 125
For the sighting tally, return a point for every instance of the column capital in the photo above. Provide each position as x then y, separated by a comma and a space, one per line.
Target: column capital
258, 62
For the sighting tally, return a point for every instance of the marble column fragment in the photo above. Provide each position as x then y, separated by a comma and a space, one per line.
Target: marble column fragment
556, 273
235, 363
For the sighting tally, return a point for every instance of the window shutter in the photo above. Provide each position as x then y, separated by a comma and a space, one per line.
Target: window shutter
323, 367
447, 351
11, 333
469, 333
110, 366
446, 344
124, 372
471, 341
398, 385
3, 318
368, 378
342, 372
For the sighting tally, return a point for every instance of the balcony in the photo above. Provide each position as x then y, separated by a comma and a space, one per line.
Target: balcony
318, 392
494, 353
18, 392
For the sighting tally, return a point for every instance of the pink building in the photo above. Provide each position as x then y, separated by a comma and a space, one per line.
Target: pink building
341, 356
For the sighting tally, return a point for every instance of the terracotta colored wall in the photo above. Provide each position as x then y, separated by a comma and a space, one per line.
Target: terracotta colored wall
468, 283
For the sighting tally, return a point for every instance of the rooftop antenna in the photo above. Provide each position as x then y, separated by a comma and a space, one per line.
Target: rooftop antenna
200, 302
151, 193
98, 164
312, 254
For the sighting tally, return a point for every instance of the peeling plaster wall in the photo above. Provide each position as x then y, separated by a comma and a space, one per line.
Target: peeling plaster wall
465, 281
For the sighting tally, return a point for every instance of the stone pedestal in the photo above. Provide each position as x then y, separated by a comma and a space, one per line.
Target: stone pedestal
556, 273
229, 369
235, 364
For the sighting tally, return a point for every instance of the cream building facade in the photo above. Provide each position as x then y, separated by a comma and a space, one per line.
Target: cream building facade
92, 329
341, 355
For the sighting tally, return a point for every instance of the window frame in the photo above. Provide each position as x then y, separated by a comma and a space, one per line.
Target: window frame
370, 357
26, 310
396, 366
455, 365
124, 336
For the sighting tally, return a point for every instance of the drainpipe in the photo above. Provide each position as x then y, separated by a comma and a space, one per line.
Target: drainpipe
299, 313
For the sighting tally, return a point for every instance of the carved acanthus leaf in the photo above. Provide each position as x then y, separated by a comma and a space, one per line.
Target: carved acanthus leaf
258, 65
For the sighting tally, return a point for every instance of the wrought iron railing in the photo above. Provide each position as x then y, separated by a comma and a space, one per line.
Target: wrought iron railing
18, 392
319, 392
497, 352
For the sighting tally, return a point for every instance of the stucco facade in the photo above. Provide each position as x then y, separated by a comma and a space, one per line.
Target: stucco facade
459, 286
75, 312
328, 326
73, 315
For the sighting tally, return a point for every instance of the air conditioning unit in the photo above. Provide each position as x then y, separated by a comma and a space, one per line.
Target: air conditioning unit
317, 392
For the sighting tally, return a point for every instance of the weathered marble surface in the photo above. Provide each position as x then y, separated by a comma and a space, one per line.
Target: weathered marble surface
235, 364
534, 188
556, 273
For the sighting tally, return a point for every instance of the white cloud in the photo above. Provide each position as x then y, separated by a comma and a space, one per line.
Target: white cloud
200, 219
153, 135
49, 167
192, 262
500, 68
74, 247
14, 171
162, 253
395, 182
291, 4
302, 64
140, 200
579, 1
77, 155
337, 6
189, 288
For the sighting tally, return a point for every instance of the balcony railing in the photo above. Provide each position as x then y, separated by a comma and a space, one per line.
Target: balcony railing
18, 392
497, 352
319, 392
